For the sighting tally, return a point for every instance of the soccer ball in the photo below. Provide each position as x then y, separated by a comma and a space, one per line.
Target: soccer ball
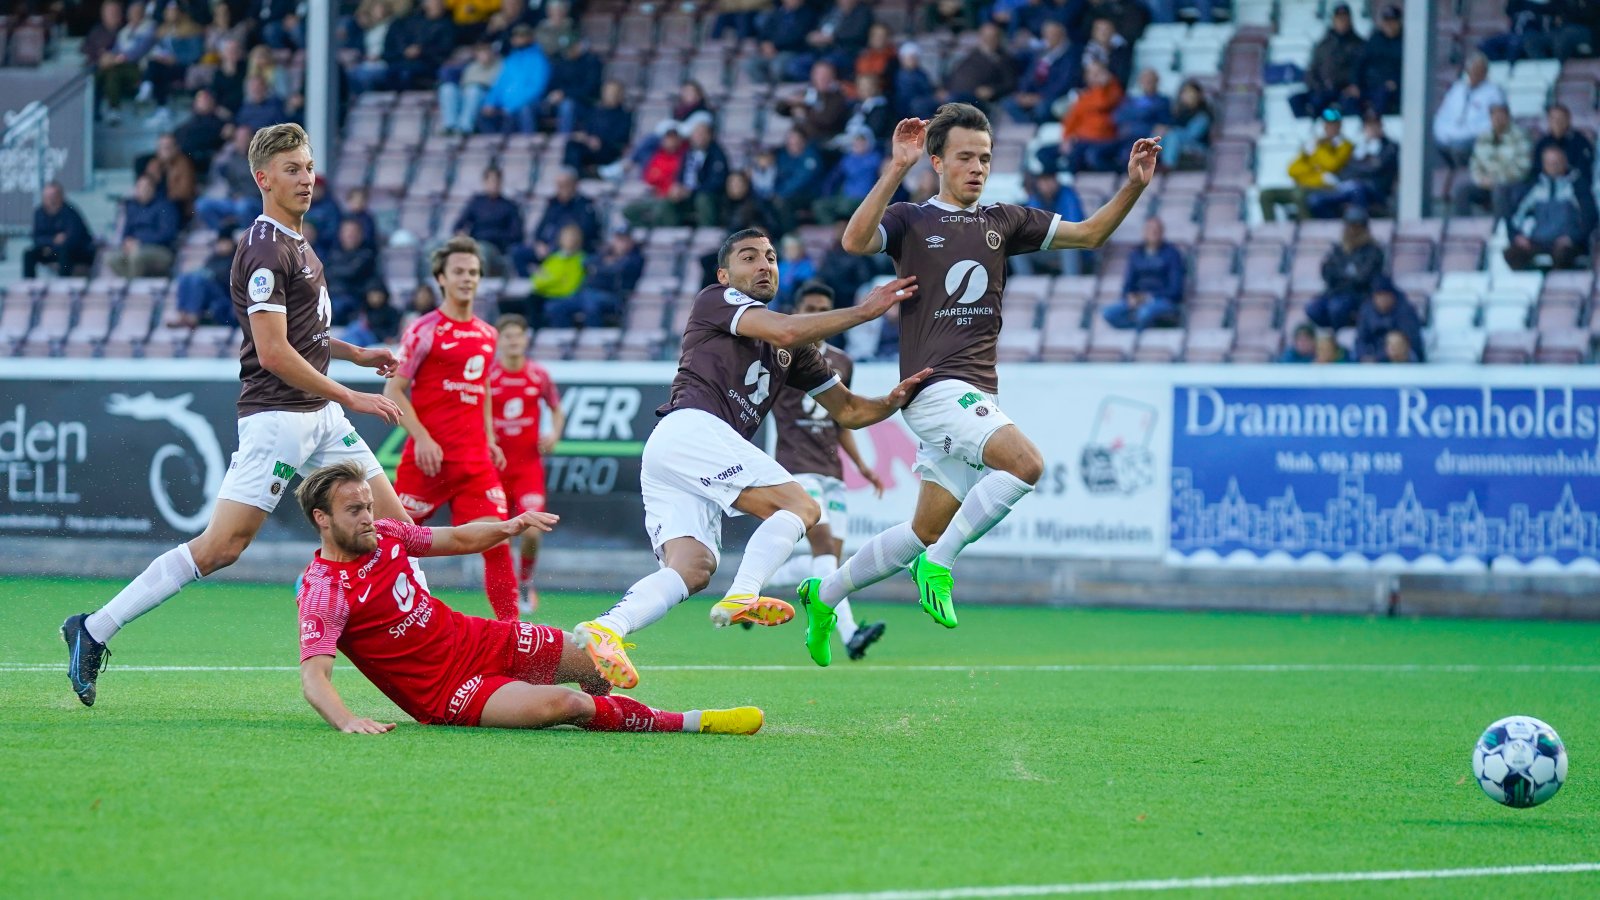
1520, 762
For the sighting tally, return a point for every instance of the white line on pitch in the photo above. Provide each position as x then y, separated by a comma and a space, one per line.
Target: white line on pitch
1135, 668
1205, 883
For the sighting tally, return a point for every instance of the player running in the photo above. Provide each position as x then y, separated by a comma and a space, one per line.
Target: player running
519, 386
360, 596
975, 464
809, 441
699, 464
290, 415
442, 387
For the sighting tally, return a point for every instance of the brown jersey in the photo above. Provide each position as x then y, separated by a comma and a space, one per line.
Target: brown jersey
959, 256
276, 271
808, 438
735, 378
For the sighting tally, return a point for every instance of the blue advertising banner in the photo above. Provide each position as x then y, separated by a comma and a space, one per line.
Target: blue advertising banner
1444, 478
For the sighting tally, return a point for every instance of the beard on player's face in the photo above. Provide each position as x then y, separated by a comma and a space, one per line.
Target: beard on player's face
355, 535
756, 278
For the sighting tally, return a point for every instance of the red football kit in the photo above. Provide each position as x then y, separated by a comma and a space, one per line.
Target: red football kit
438, 665
518, 396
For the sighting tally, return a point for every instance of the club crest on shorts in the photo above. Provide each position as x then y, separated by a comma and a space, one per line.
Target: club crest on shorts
784, 358
993, 238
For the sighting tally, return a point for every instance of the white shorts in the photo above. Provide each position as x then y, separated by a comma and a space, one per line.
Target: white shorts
276, 445
953, 421
693, 470
829, 494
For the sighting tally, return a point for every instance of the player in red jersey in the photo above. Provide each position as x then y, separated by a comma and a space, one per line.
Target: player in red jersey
519, 386
360, 596
443, 389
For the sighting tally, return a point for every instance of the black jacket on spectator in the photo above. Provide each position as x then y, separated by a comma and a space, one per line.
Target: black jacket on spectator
712, 174
1336, 61
219, 267
349, 272
436, 37
154, 223
1352, 273
1372, 326
612, 125
228, 89
788, 29
579, 79
850, 29
1580, 153
383, 322
578, 211
200, 138
1378, 171
615, 274
493, 220
66, 220
1380, 62
750, 212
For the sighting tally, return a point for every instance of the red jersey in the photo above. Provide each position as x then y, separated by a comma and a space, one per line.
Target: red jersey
417, 650
446, 361
517, 395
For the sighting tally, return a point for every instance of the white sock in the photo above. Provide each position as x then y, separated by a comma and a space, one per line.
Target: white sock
846, 626
160, 580
766, 551
989, 501
650, 598
796, 570
691, 721
885, 554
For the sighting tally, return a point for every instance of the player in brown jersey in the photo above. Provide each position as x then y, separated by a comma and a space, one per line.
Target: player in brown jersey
975, 464
699, 464
291, 414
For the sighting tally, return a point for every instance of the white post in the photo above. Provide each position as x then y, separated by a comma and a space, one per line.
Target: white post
1416, 109
320, 96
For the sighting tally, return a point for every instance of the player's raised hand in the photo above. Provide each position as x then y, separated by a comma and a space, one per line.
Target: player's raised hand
538, 521
905, 147
366, 726
873, 479
1142, 160
375, 405
883, 297
902, 392
380, 358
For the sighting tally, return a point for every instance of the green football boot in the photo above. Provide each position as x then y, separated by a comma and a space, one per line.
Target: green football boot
934, 583
820, 619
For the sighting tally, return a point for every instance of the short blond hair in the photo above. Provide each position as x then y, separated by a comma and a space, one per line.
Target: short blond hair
275, 139
316, 490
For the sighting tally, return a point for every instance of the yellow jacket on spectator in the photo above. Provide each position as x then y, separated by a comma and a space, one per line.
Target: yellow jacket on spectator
560, 275
1311, 168
471, 12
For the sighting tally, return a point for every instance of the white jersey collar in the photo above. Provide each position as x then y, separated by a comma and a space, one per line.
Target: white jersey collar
950, 207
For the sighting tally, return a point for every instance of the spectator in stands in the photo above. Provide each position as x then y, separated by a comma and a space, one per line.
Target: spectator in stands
424, 301
1046, 192
416, 47
149, 233
950, 15
1088, 131
696, 193
661, 171
1556, 216
276, 22
557, 277
843, 271
1053, 72
691, 99
1334, 76
1302, 345
379, 322
1110, 49
1143, 112
368, 33
349, 269
1381, 62
879, 57
204, 296
557, 30
1186, 141
799, 175
512, 103
460, 100
471, 18
1385, 312
600, 134
794, 269
60, 236
203, 133
567, 207
323, 217
1350, 272
227, 82
221, 30
1367, 180
1400, 347
1540, 29
1464, 114
576, 79
118, 76
1153, 285
610, 278
850, 181
738, 17
174, 174
782, 48
872, 114
494, 221
743, 209
1498, 170
261, 63
240, 200
914, 91
178, 45
984, 74
1316, 168
102, 37
842, 33
822, 111
355, 210
261, 108
1560, 133
1329, 350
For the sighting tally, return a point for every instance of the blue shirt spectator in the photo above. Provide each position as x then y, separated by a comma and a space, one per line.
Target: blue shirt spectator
799, 169
491, 218
1143, 110
149, 233
1153, 287
261, 108
514, 98
60, 236
1046, 78
1385, 311
567, 207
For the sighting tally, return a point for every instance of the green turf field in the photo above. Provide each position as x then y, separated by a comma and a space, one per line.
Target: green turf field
869, 776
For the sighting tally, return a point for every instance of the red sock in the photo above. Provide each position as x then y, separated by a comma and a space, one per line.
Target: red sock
500, 582
616, 713
525, 566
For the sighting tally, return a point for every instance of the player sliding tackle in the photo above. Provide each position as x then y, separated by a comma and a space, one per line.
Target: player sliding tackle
360, 596
975, 464
699, 463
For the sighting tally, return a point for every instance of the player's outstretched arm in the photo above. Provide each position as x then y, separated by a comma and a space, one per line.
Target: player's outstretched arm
476, 537
789, 332
271, 333
861, 233
855, 411
1097, 229
316, 680
380, 358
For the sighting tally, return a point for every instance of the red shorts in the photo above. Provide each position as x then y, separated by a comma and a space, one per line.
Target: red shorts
523, 478
472, 489
519, 651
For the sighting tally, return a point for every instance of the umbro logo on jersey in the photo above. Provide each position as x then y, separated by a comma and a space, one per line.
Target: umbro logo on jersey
305, 270
935, 242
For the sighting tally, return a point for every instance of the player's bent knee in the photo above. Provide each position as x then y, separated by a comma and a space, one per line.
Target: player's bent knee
926, 533
213, 553
809, 512
576, 708
1029, 466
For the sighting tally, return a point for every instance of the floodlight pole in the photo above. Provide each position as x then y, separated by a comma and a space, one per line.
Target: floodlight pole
1416, 110
320, 96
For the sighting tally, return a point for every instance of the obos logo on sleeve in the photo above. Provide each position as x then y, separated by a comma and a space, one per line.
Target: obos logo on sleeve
261, 284
735, 297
